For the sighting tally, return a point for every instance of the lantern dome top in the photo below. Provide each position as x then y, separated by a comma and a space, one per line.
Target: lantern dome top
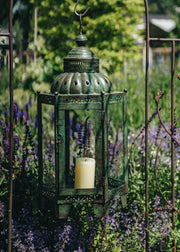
81, 59
81, 71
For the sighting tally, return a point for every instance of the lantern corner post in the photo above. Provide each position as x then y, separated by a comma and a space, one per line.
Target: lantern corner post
104, 147
125, 140
10, 34
40, 156
56, 142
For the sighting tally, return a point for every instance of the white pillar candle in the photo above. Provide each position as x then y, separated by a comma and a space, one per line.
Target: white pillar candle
84, 173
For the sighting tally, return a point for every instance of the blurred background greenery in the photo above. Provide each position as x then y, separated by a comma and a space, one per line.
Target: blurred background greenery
112, 29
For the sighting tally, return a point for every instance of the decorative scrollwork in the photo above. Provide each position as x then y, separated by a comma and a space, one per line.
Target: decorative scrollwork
59, 139
80, 100
115, 98
47, 99
48, 194
114, 182
81, 198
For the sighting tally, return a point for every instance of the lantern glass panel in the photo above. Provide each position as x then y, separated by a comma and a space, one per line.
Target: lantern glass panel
81, 141
115, 142
48, 146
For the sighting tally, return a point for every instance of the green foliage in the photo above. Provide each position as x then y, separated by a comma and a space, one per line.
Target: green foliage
109, 26
154, 236
21, 97
159, 79
19, 36
82, 215
4, 80
163, 6
31, 76
106, 239
4, 182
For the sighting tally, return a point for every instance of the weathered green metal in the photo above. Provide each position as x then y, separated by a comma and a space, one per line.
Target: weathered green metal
81, 59
82, 87
106, 187
40, 157
125, 139
81, 73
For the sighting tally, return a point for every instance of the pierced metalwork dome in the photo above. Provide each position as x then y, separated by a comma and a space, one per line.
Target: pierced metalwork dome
81, 72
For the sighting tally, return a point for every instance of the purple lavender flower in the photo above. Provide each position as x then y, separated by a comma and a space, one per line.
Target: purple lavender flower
5, 147
6, 116
77, 126
50, 148
5, 112
27, 113
5, 130
17, 140
70, 121
70, 127
22, 116
52, 117
1, 156
63, 239
156, 201
2, 210
30, 101
15, 111
80, 138
108, 125
36, 122
29, 239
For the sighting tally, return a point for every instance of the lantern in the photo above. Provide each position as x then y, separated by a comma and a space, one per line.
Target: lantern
81, 96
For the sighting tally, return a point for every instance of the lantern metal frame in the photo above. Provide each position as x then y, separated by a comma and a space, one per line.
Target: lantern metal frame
105, 188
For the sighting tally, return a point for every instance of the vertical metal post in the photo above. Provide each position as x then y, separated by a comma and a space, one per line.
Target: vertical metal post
56, 142
11, 127
40, 155
146, 128
104, 163
125, 141
172, 141
35, 34
67, 142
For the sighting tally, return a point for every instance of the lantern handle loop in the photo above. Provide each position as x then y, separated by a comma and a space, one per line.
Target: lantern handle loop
80, 15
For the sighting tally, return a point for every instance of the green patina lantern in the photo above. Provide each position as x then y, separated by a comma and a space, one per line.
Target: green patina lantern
91, 173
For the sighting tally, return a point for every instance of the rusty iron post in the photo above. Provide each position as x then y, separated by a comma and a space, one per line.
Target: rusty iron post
146, 129
11, 128
148, 39
9, 34
172, 141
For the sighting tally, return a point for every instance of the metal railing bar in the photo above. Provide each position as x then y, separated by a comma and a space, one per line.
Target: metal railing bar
172, 134
172, 40
11, 128
165, 39
5, 34
146, 129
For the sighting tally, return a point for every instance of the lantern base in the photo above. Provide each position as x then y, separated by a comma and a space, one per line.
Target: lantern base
65, 211
63, 205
